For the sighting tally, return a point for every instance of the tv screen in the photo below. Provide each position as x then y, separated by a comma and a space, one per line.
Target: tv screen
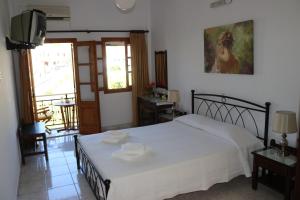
29, 27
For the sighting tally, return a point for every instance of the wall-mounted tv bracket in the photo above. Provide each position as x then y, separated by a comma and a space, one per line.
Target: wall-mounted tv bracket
10, 45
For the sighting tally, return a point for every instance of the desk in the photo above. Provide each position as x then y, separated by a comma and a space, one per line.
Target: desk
149, 109
37, 132
67, 110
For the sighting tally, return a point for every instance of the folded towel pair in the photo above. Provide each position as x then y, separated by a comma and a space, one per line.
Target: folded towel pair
131, 151
114, 137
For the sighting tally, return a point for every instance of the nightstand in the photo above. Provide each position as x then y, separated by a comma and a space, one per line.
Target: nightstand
150, 108
166, 117
269, 160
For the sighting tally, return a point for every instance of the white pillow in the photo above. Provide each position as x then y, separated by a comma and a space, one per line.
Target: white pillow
239, 136
244, 141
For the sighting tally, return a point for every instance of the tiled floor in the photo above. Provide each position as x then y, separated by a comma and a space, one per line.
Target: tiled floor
59, 179
54, 133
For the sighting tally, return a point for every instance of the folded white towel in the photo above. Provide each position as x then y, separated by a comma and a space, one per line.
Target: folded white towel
114, 137
131, 151
133, 148
116, 132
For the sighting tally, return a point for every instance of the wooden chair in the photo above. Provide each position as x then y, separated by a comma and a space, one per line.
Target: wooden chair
44, 114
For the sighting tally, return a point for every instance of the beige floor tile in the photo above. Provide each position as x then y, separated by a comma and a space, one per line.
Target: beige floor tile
32, 187
73, 167
57, 162
34, 196
69, 153
71, 160
62, 193
59, 181
84, 191
56, 154
78, 177
58, 171
29, 177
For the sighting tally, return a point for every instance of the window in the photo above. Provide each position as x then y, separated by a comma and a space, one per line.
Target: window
116, 65
52, 66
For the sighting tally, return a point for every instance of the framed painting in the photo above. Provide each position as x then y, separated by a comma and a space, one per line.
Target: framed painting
228, 49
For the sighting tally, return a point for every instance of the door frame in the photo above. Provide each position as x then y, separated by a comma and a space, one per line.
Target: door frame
93, 82
67, 40
297, 178
61, 40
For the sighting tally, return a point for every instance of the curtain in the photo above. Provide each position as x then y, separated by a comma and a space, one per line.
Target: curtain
26, 88
161, 69
140, 73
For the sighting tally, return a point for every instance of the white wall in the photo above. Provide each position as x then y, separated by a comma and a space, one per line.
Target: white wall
178, 27
95, 14
9, 155
99, 14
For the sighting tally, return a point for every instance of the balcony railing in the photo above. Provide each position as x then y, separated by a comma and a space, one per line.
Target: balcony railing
56, 121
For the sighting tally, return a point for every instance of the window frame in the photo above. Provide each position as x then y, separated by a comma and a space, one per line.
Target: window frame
128, 88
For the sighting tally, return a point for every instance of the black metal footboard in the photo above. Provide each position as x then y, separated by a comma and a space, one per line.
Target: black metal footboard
98, 185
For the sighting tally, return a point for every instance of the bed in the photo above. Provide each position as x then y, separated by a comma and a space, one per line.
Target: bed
191, 153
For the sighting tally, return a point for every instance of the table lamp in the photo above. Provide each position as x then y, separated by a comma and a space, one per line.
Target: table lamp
173, 97
284, 122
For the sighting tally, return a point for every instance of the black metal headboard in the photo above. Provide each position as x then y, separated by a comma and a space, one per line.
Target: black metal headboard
232, 110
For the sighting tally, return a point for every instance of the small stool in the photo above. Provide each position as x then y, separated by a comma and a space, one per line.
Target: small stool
35, 132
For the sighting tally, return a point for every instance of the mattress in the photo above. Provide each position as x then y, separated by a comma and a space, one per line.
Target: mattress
183, 159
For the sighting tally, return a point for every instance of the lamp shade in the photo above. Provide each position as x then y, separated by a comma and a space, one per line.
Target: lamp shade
284, 122
173, 96
125, 5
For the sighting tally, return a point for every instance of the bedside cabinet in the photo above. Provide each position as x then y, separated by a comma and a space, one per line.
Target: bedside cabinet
150, 108
166, 117
269, 160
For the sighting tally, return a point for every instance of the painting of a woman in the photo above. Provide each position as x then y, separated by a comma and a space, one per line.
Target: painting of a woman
225, 61
229, 49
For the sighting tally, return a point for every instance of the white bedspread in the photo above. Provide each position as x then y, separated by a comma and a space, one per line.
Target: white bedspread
183, 159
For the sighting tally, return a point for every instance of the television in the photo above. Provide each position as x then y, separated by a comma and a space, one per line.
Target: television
29, 28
